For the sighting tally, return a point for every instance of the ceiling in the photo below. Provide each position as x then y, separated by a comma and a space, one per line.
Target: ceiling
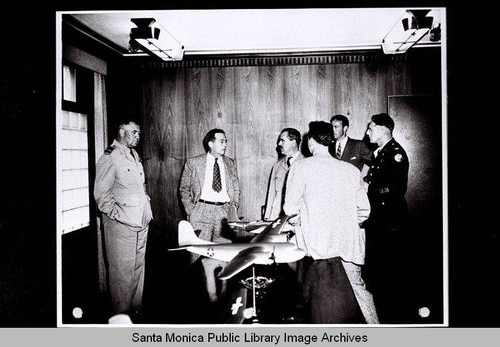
228, 31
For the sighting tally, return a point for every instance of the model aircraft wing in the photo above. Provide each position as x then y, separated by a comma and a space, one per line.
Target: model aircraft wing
272, 229
236, 223
241, 261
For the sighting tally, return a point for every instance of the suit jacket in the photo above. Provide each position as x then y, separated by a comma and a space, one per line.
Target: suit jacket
193, 177
355, 152
388, 181
330, 199
276, 190
120, 189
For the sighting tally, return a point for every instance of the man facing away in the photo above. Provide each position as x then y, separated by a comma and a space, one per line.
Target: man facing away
209, 186
120, 193
330, 202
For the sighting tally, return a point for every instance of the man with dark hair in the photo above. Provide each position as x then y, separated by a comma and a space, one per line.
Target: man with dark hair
385, 246
120, 193
288, 144
209, 186
345, 148
329, 201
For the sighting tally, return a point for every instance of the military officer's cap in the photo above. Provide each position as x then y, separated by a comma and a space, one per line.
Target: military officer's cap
383, 119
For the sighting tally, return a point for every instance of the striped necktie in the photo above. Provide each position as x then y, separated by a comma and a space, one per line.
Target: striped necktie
339, 151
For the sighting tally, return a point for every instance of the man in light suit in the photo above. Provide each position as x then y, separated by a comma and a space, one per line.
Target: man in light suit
330, 203
347, 149
120, 193
282, 295
209, 186
288, 144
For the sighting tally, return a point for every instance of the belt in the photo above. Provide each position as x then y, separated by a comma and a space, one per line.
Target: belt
216, 203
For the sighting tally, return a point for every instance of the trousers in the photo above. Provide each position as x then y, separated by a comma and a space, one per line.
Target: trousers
207, 219
334, 292
125, 255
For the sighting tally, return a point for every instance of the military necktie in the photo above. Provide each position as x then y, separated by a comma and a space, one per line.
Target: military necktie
132, 153
216, 183
339, 152
288, 160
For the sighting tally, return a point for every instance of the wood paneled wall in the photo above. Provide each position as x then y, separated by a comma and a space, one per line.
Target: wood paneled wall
252, 101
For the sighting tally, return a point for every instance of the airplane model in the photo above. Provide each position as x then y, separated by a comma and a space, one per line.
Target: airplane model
270, 246
234, 222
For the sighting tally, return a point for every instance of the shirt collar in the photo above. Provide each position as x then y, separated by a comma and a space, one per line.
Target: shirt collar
379, 149
121, 146
293, 157
343, 142
211, 158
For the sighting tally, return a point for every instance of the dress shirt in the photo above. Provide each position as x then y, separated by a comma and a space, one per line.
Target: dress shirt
208, 193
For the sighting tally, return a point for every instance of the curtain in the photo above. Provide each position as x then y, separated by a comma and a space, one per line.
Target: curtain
100, 131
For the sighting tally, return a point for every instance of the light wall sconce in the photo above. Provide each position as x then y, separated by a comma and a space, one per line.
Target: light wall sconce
154, 39
407, 31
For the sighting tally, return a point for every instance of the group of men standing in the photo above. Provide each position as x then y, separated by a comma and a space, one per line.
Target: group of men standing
338, 194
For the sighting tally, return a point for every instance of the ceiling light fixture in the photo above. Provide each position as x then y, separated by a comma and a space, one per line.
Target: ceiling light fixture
407, 31
154, 39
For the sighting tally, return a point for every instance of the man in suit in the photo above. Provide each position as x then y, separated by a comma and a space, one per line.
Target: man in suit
120, 193
288, 144
385, 229
329, 202
282, 295
209, 186
347, 149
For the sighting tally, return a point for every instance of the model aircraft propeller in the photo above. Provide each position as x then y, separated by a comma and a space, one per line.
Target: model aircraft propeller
273, 257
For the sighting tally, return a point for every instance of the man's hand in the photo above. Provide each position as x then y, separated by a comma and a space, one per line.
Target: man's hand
294, 220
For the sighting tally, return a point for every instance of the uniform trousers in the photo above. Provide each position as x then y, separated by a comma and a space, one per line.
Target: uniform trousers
386, 273
207, 219
125, 254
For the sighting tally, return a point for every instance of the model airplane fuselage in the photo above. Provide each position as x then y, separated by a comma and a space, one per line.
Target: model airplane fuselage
272, 245
279, 252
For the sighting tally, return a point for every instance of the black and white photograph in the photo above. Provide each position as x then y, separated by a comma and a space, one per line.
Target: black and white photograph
216, 172
153, 102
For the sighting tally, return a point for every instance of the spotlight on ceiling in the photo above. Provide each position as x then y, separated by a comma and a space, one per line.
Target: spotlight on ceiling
154, 39
407, 31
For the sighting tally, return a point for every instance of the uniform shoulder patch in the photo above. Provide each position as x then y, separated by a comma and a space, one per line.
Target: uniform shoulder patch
109, 150
398, 157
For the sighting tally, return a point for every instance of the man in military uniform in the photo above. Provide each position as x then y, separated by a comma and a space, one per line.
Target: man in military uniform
120, 193
387, 181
